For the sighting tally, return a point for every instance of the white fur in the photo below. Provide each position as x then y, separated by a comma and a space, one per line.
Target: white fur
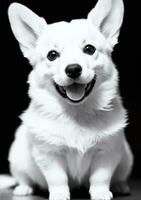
57, 140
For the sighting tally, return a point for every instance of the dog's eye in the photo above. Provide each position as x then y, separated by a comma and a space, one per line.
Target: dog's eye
89, 49
52, 55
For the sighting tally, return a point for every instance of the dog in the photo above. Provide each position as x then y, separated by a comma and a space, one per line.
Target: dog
73, 130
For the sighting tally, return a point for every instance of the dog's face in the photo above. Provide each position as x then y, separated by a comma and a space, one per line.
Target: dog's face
70, 60
70, 53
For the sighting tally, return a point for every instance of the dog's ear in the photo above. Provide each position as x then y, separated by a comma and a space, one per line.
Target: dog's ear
26, 26
107, 16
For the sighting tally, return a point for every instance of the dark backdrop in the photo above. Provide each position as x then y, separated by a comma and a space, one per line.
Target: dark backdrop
14, 69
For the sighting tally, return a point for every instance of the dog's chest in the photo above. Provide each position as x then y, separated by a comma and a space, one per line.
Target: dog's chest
81, 133
78, 164
62, 132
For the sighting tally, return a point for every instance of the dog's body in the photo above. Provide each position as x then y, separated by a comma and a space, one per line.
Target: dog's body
73, 128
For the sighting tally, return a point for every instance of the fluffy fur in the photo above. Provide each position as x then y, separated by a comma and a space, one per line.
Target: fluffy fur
61, 143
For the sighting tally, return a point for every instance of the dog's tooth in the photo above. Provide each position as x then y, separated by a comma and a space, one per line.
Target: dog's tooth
88, 86
62, 90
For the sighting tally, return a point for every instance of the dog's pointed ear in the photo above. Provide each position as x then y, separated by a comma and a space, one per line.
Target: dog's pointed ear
26, 26
108, 16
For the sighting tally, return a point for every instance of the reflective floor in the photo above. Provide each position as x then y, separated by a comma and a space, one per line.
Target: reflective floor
135, 186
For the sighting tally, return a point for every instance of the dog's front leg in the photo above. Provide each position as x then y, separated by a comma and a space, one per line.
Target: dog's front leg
103, 166
53, 168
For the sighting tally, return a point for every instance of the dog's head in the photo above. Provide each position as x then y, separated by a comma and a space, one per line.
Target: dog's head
71, 60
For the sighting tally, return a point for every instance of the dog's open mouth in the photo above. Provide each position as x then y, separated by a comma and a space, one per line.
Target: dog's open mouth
76, 92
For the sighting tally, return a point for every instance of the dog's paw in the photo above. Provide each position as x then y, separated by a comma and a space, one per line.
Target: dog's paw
23, 190
120, 188
59, 195
101, 194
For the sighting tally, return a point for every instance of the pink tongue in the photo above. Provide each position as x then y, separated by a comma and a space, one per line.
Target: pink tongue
75, 91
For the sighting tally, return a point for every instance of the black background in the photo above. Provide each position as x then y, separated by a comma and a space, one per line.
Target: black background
14, 69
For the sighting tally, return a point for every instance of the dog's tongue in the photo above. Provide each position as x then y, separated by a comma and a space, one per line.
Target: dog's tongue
75, 91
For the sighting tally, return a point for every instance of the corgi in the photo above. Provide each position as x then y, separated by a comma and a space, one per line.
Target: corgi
72, 133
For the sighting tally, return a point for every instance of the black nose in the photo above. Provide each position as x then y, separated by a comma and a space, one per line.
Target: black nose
73, 70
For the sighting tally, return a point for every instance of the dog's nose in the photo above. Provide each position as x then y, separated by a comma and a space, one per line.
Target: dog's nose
73, 70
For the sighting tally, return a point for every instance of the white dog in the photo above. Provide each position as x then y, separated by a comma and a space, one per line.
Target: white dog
72, 131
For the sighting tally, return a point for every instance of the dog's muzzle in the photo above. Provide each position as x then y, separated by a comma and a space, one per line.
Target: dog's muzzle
76, 92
